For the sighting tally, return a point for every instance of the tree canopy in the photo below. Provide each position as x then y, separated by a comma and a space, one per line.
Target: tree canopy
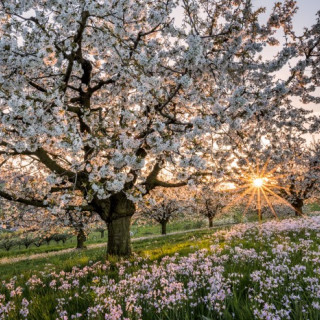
98, 97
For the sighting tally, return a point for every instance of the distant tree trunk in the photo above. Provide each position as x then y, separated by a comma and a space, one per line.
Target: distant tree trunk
164, 227
81, 239
210, 222
118, 221
102, 233
298, 205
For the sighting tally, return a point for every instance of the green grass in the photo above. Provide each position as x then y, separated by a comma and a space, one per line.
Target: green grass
95, 237
155, 249
312, 207
52, 246
138, 231
152, 248
65, 262
174, 226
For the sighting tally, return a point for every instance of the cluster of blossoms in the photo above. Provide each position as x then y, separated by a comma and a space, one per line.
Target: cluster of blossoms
98, 98
274, 267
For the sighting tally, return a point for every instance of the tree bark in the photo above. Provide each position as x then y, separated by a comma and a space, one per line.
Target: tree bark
119, 220
298, 205
164, 227
210, 222
81, 239
119, 243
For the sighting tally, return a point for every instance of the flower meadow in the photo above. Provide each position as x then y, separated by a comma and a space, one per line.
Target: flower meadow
251, 271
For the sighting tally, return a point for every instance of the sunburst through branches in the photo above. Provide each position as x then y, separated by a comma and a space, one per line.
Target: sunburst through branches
258, 183
260, 186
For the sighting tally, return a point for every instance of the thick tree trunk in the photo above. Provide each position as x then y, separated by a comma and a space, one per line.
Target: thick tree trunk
298, 205
118, 221
210, 222
119, 237
81, 239
164, 227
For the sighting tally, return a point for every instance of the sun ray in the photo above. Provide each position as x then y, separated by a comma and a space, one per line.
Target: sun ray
271, 172
259, 204
238, 198
285, 201
257, 167
249, 166
259, 183
239, 187
264, 168
257, 180
249, 203
269, 203
275, 186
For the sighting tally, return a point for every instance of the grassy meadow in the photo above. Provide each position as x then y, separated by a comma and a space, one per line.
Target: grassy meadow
248, 271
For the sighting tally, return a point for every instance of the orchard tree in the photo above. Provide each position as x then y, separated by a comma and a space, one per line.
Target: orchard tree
80, 222
162, 206
97, 98
162, 212
274, 165
39, 225
300, 175
210, 202
100, 226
